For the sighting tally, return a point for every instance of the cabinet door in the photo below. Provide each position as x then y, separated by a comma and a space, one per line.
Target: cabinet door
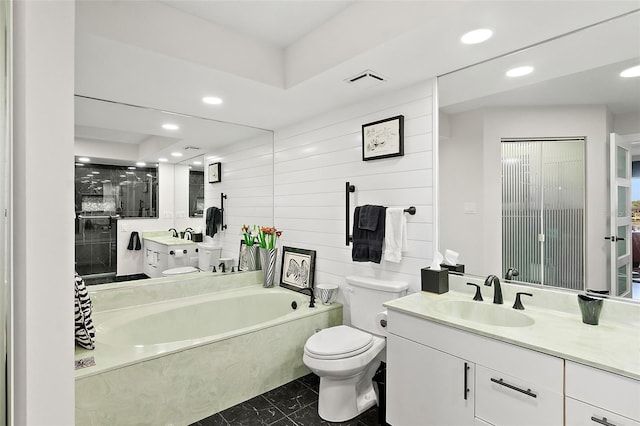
579, 413
426, 386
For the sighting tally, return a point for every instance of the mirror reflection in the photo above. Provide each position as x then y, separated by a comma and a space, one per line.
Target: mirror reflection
143, 170
525, 161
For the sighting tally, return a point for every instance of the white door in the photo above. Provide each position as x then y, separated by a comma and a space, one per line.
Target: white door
620, 224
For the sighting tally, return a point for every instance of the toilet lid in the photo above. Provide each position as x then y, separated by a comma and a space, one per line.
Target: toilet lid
338, 342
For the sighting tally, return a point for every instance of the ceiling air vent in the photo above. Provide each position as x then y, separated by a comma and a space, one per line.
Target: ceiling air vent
366, 79
186, 148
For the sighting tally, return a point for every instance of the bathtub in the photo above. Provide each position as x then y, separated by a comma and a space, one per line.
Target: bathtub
177, 361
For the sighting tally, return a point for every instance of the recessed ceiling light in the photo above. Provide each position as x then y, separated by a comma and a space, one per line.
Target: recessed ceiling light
79, 164
170, 126
211, 100
131, 168
476, 36
631, 72
84, 159
141, 164
176, 154
123, 175
519, 71
197, 163
163, 160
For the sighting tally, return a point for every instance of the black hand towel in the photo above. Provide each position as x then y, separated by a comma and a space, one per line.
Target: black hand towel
134, 242
367, 245
369, 217
213, 220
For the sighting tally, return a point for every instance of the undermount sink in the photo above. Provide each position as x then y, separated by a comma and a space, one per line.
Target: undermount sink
484, 313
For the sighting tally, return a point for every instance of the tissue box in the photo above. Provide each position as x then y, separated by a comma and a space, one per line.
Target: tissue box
435, 281
457, 268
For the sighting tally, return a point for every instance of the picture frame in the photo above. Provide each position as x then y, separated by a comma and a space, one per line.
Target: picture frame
383, 138
215, 172
298, 268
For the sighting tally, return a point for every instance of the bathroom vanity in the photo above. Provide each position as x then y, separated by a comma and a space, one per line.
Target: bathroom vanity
163, 251
455, 361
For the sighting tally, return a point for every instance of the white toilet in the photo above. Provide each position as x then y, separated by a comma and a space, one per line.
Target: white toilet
347, 357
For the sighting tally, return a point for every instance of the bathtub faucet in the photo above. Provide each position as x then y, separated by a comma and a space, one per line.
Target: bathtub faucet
311, 295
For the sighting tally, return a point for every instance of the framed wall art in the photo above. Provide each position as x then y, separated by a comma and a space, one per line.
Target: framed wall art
383, 138
215, 172
298, 267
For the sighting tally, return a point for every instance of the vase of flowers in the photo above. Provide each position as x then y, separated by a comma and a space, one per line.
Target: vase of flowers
249, 253
267, 239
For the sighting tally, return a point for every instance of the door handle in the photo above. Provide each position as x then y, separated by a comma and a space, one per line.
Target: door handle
602, 421
466, 383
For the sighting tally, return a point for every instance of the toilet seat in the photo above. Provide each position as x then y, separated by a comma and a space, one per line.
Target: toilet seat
179, 271
338, 342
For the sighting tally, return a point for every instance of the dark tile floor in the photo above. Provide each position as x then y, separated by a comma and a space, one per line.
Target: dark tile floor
295, 403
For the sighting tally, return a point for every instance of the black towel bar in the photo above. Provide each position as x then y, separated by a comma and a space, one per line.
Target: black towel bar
348, 189
223, 197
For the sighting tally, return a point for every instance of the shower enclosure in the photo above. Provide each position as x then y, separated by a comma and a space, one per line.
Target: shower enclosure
105, 193
543, 204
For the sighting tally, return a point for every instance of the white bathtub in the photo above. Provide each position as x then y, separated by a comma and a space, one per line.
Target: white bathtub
200, 319
178, 361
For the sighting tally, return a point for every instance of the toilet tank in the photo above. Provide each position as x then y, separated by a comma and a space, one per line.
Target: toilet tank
366, 296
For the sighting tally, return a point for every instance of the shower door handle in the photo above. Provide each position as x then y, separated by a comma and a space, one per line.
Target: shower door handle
613, 238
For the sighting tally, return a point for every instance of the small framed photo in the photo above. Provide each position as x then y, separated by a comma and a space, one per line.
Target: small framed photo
383, 138
215, 174
298, 267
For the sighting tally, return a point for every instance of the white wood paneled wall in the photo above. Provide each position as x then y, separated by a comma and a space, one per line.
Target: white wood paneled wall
247, 180
314, 159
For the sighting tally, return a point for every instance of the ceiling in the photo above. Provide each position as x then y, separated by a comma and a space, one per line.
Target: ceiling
276, 63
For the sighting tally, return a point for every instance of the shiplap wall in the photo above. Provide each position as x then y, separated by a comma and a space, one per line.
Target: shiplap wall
247, 180
314, 159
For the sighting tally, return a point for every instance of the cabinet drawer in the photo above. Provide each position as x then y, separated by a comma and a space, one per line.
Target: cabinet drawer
600, 388
580, 414
506, 400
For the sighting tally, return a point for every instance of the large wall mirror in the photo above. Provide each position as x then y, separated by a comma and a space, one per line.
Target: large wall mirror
160, 181
527, 179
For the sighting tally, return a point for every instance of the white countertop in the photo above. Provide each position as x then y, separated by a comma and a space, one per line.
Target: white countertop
612, 345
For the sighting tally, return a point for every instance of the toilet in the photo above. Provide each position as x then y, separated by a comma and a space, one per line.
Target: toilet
347, 357
179, 271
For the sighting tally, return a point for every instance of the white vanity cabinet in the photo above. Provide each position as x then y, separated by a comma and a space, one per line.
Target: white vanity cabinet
159, 257
441, 375
596, 397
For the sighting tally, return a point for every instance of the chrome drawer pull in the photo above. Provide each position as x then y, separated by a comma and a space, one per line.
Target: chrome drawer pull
515, 388
602, 422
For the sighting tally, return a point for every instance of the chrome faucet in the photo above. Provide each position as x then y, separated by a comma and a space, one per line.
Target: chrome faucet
497, 290
311, 295
511, 272
188, 235
221, 267
174, 232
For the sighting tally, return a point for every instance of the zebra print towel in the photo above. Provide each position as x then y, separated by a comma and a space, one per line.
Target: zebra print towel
85, 332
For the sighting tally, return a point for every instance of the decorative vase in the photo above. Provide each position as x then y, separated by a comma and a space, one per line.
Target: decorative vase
268, 263
250, 258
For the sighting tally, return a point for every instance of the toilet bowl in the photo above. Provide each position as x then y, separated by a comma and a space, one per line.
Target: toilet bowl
347, 357
179, 271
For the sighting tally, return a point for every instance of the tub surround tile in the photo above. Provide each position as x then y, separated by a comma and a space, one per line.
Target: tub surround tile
120, 295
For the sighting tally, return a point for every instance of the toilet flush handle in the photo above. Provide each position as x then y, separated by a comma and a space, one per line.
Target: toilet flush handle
383, 323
